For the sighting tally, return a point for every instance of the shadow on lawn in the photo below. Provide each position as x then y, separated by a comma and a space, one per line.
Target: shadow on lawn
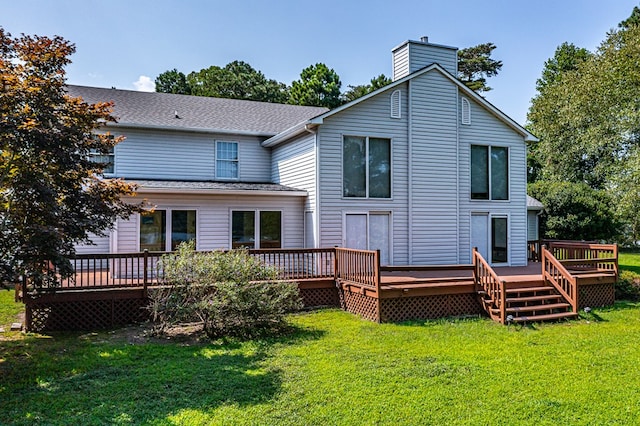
69, 380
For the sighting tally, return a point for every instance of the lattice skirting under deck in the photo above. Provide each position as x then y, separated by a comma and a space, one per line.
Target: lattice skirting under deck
359, 304
316, 297
596, 295
84, 314
429, 307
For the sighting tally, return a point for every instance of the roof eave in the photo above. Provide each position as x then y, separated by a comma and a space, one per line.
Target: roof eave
211, 191
190, 129
287, 134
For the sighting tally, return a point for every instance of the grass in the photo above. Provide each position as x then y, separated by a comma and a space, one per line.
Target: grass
334, 369
629, 261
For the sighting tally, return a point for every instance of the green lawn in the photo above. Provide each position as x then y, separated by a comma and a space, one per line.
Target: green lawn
629, 261
334, 369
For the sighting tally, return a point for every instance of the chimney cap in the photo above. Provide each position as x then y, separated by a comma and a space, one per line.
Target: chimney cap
424, 39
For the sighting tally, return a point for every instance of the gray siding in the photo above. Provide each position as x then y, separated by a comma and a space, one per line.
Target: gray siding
532, 225
213, 220
156, 154
486, 129
433, 159
294, 164
421, 55
368, 118
401, 62
100, 245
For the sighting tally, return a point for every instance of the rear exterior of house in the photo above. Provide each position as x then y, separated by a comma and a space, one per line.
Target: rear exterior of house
423, 170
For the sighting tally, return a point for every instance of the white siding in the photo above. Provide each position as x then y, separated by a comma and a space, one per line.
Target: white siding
368, 118
100, 245
434, 184
294, 164
213, 227
486, 129
414, 56
155, 154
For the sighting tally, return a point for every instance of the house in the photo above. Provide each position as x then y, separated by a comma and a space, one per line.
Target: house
423, 169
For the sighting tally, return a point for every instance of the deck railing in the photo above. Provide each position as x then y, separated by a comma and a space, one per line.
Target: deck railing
485, 277
555, 273
360, 267
128, 270
585, 257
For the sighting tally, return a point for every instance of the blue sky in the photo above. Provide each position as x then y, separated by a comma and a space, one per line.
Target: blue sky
127, 43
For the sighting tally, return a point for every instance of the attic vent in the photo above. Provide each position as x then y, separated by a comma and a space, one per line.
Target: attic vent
396, 110
466, 112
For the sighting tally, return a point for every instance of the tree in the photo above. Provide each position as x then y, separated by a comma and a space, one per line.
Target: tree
475, 65
173, 81
575, 211
237, 80
318, 86
587, 115
358, 91
51, 196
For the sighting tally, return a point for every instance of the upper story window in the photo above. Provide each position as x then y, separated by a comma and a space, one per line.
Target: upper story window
226, 160
105, 159
366, 167
489, 172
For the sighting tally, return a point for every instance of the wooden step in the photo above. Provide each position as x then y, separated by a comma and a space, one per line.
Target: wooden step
534, 308
529, 289
546, 317
533, 298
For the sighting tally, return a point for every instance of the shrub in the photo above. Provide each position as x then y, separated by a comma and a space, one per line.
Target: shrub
229, 293
628, 286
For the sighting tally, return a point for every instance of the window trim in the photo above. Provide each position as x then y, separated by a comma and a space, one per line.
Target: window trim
237, 161
367, 197
93, 153
168, 230
256, 225
490, 198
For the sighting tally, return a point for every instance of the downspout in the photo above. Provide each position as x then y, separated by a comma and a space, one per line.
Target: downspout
458, 176
410, 172
316, 207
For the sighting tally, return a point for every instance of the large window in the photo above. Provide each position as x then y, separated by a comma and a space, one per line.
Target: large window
227, 160
489, 172
158, 234
366, 167
245, 223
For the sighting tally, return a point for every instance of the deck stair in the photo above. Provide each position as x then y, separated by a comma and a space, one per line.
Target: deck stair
532, 301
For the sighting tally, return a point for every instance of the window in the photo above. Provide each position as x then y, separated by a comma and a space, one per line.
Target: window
396, 109
104, 159
154, 229
466, 111
366, 167
489, 172
243, 229
499, 240
227, 160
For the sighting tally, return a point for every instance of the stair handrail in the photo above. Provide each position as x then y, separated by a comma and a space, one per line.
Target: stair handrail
485, 277
554, 272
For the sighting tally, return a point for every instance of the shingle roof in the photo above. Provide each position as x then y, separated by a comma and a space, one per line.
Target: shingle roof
197, 112
209, 186
533, 204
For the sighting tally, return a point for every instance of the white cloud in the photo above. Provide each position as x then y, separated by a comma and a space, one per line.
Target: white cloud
144, 84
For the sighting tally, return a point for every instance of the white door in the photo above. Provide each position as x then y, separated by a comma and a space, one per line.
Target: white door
356, 231
379, 235
480, 234
368, 232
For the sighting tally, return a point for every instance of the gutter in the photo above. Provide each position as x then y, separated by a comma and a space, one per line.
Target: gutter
296, 130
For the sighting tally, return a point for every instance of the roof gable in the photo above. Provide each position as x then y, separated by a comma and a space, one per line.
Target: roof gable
197, 113
434, 67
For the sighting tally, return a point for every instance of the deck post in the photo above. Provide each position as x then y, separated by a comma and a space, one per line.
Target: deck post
145, 264
377, 282
474, 262
503, 301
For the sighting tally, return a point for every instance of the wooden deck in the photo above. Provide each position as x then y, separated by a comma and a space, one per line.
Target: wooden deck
110, 290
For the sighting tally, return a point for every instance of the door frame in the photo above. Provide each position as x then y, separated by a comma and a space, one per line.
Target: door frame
367, 213
491, 215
